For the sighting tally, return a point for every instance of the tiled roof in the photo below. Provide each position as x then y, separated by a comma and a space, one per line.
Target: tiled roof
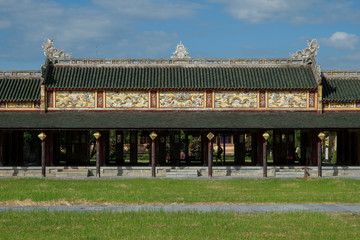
179, 120
19, 89
345, 90
179, 77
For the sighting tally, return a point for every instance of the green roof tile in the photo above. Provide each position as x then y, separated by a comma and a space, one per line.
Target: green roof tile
179, 120
13, 90
343, 90
176, 77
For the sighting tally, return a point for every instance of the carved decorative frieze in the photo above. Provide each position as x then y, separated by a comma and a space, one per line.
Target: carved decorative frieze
186, 99
75, 99
341, 105
127, 99
287, 99
19, 104
233, 99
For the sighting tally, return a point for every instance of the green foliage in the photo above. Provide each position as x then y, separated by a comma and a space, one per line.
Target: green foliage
195, 146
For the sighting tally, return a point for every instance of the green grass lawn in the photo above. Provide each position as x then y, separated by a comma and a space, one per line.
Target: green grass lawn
181, 225
149, 191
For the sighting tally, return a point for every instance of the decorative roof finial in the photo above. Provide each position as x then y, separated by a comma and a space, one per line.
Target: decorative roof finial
308, 53
52, 52
180, 52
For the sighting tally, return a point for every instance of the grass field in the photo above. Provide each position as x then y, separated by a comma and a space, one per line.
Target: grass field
169, 191
191, 225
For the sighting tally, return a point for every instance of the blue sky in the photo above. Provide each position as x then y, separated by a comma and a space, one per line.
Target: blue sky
152, 29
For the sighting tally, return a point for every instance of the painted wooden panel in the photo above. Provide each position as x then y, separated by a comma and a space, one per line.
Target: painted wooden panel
236, 99
127, 99
75, 99
100, 99
287, 99
209, 99
153, 99
312, 99
188, 99
262, 99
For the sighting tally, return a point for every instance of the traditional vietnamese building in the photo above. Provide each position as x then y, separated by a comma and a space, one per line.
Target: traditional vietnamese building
170, 117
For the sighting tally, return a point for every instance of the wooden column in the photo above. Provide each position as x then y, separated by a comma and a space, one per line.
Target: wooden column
119, 147
259, 140
264, 158
153, 136
153, 160
224, 148
97, 136
106, 148
133, 147
319, 158
209, 138
42, 137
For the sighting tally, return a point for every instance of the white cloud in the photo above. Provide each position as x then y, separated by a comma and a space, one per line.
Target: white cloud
89, 30
150, 9
342, 40
294, 11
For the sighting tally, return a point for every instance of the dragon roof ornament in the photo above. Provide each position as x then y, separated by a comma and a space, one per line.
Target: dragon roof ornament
53, 53
308, 53
180, 52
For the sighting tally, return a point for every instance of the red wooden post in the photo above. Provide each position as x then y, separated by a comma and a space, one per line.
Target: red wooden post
97, 135
265, 136
264, 160
210, 136
42, 137
153, 135
321, 137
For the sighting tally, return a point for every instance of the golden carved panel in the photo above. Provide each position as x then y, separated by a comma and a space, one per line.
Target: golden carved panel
19, 104
127, 99
287, 99
188, 99
75, 99
236, 99
341, 105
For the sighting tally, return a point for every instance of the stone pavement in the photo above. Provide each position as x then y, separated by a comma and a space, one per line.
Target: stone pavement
258, 208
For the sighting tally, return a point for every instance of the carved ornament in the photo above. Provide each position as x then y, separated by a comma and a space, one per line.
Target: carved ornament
180, 52
53, 53
308, 53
